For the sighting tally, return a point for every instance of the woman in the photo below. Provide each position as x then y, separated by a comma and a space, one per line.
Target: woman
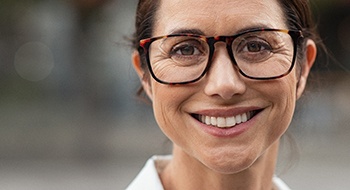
223, 77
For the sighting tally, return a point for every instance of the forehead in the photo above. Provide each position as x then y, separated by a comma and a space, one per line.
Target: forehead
217, 17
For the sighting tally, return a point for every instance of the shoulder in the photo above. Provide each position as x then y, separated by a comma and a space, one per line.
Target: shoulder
148, 177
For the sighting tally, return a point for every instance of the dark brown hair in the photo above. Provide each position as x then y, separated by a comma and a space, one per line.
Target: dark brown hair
145, 13
298, 16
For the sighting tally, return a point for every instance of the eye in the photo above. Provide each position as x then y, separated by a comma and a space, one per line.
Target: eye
253, 50
186, 49
256, 46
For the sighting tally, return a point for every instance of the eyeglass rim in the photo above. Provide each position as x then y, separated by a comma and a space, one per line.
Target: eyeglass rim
144, 45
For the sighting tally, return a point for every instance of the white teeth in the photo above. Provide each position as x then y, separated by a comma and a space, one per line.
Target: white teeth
221, 122
244, 117
207, 120
213, 120
230, 121
238, 119
225, 122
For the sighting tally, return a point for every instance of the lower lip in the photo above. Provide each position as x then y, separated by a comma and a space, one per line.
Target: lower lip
230, 132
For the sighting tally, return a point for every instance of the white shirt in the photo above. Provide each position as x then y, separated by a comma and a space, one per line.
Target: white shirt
149, 179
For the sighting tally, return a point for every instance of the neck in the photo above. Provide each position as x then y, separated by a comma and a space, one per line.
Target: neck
185, 172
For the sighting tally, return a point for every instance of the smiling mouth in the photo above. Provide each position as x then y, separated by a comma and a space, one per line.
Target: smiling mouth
226, 122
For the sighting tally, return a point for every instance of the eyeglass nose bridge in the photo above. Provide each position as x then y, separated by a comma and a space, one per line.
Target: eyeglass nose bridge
228, 40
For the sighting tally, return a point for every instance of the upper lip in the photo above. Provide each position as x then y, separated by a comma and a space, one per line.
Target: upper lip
228, 112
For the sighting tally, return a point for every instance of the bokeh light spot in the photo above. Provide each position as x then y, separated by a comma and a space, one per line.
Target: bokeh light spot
34, 61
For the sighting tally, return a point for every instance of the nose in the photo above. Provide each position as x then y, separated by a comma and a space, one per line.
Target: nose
223, 78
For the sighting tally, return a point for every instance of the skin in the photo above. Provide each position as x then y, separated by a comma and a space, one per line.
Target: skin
201, 160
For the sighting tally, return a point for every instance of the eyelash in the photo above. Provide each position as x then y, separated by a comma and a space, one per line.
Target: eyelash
192, 44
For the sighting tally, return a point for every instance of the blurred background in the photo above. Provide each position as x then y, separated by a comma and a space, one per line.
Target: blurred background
70, 119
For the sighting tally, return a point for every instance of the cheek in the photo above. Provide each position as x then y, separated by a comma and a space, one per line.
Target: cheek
283, 98
167, 107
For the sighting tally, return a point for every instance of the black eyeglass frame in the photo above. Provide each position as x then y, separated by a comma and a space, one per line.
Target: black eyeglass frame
144, 45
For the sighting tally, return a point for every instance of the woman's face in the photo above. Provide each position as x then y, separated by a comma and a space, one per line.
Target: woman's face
223, 95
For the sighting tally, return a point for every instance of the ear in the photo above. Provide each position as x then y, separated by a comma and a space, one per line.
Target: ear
311, 52
136, 61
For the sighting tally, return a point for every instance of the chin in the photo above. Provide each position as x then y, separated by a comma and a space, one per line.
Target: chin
230, 164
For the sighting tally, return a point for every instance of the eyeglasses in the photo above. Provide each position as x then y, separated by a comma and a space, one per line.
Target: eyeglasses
260, 54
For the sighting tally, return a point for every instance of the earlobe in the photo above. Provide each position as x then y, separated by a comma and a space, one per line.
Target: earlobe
136, 61
311, 52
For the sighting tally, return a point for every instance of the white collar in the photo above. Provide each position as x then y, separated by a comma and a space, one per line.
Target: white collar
148, 178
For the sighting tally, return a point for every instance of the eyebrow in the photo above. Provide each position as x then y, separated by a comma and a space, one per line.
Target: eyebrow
187, 31
253, 27
200, 32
